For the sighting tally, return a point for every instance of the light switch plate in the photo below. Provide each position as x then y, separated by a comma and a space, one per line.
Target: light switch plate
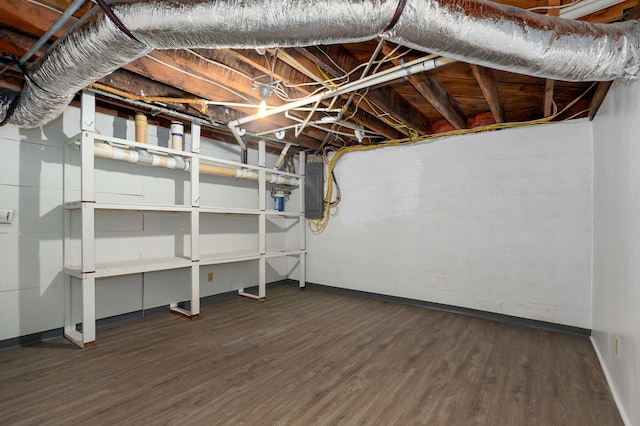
6, 216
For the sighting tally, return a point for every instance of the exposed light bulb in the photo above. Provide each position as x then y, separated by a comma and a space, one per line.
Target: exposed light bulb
328, 119
262, 108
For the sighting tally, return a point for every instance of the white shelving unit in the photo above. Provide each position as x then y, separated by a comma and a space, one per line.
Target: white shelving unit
89, 269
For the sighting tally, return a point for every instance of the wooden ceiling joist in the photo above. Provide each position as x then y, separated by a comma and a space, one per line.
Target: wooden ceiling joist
31, 18
386, 101
487, 82
435, 94
441, 100
547, 108
598, 98
14, 42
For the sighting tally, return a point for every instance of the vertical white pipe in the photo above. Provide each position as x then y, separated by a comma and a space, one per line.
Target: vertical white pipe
283, 154
177, 135
141, 128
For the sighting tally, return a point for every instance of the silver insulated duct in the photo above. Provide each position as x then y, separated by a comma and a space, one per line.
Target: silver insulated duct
513, 39
473, 31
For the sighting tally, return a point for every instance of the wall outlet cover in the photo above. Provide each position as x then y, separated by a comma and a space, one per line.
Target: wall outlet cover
6, 216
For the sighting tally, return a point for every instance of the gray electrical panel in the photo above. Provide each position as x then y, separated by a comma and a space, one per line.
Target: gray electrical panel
314, 190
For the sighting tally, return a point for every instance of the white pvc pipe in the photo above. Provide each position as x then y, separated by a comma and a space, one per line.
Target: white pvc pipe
283, 154
177, 134
394, 73
103, 150
586, 7
107, 151
141, 128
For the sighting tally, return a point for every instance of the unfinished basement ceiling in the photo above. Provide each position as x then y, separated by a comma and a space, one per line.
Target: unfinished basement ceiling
225, 85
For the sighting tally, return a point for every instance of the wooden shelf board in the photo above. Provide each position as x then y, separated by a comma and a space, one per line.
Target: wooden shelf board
137, 266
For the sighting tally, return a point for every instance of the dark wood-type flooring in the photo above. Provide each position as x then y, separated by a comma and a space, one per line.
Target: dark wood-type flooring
304, 358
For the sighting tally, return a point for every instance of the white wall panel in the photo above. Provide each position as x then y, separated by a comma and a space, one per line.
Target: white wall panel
616, 254
31, 182
30, 310
30, 260
30, 164
498, 221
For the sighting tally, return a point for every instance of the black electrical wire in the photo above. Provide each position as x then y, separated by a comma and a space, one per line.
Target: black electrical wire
116, 21
24, 71
396, 15
11, 58
6, 93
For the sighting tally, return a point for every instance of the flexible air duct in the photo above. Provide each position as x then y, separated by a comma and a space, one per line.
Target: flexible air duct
512, 39
470, 30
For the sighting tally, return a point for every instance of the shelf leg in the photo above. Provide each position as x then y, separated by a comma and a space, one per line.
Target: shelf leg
86, 338
195, 290
303, 270
194, 312
70, 331
262, 227
262, 278
89, 311
303, 225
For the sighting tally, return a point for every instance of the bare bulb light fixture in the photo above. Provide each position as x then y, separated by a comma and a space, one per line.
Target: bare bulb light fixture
265, 91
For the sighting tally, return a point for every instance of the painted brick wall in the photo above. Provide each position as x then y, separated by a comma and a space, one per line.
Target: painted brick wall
498, 221
616, 245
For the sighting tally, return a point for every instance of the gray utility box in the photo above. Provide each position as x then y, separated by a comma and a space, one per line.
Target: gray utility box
314, 190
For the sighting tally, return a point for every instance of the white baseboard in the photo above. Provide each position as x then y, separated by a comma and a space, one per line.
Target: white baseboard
616, 398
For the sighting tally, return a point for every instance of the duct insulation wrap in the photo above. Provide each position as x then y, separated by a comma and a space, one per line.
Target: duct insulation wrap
254, 23
473, 31
515, 40
95, 47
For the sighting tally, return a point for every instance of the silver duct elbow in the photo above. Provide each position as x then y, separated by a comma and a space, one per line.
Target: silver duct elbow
473, 31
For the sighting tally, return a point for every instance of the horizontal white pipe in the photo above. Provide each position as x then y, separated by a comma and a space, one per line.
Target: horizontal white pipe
375, 79
103, 150
248, 105
586, 7
107, 151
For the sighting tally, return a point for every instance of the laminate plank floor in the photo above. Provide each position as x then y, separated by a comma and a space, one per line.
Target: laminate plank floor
309, 358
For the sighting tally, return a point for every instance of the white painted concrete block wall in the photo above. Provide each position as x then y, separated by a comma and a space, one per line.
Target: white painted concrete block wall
31, 176
616, 245
497, 221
